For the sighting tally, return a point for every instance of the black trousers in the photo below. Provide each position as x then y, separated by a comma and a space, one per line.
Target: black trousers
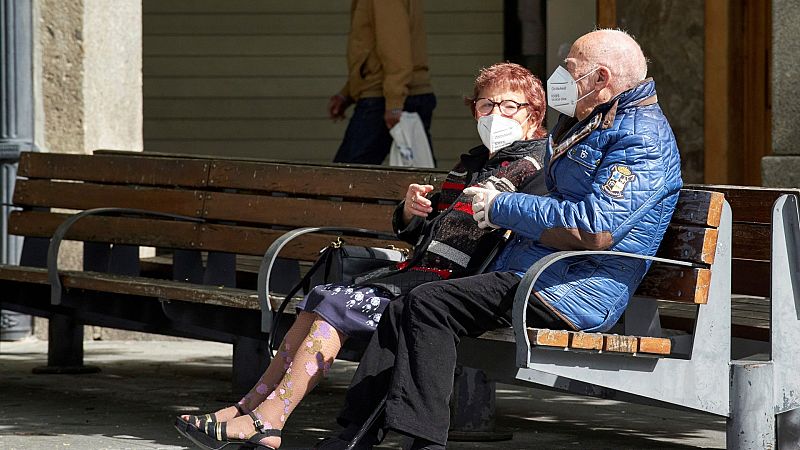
411, 358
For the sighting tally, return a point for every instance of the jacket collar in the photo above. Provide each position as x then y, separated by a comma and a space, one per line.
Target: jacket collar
478, 157
568, 130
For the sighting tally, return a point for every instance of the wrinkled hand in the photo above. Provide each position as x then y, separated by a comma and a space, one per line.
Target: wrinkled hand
337, 106
391, 117
415, 202
482, 198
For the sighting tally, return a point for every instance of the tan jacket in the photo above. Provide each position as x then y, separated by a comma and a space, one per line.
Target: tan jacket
386, 51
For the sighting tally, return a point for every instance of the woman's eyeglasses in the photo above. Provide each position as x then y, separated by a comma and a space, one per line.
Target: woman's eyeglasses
484, 106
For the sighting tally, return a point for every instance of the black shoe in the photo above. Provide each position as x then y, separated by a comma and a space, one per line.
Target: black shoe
182, 424
213, 437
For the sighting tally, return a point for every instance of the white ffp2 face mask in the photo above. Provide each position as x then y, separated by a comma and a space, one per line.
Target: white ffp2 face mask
562, 91
497, 132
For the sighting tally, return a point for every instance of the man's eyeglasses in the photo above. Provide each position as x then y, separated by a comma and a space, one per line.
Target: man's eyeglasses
484, 106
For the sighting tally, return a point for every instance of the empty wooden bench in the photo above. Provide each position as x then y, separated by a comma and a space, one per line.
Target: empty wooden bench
206, 216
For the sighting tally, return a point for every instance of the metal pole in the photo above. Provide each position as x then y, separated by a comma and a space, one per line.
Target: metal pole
16, 131
751, 425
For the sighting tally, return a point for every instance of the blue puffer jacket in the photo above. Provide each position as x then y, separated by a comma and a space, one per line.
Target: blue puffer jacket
613, 183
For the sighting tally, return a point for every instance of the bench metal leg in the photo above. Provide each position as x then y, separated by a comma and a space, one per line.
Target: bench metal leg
65, 347
751, 425
472, 407
250, 359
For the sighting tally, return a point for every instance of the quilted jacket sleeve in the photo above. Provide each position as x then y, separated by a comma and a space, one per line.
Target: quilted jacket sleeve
628, 182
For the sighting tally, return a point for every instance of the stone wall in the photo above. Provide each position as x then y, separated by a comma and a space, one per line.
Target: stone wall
88, 90
671, 33
782, 169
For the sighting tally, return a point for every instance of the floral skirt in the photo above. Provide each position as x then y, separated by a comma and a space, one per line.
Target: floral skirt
353, 311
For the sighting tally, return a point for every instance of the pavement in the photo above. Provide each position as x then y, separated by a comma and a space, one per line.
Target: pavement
143, 385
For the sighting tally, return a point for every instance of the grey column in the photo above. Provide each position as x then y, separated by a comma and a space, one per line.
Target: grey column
16, 130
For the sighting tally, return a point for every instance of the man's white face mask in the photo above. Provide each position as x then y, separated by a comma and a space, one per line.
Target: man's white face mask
562, 91
497, 132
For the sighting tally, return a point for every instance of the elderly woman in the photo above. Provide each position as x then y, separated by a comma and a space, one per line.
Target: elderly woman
508, 104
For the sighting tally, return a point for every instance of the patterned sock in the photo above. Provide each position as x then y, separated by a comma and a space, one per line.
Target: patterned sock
310, 362
265, 385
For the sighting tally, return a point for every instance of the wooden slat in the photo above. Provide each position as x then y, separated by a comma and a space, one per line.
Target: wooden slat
340, 181
255, 241
89, 195
658, 346
689, 243
598, 341
184, 235
118, 230
620, 344
752, 241
750, 203
674, 283
166, 289
36, 275
548, 338
586, 341
750, 317
698, 207
750, 277
119, 168
297, 212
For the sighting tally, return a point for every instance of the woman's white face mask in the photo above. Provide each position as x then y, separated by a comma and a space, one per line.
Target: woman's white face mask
497, 131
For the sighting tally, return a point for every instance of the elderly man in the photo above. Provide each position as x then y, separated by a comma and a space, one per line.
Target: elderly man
613, 181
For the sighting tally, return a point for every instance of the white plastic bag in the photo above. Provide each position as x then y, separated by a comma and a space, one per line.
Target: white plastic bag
410, 147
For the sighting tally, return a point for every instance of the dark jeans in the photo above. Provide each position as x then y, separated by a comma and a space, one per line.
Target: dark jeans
367, 140
412, 356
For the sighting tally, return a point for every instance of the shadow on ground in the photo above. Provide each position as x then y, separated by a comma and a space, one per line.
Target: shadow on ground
143, 385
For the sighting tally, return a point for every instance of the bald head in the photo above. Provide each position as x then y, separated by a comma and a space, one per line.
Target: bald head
615, 50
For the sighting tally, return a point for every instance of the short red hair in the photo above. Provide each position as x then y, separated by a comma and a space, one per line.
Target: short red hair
514, 77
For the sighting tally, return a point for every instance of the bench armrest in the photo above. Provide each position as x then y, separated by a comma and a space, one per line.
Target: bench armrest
520, 307
268, 261
61, 231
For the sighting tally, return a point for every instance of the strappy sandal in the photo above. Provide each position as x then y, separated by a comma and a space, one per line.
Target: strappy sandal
213, 435
181, 424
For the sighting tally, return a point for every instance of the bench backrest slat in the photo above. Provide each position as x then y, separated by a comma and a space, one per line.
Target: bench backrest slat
135, 168
305, 180
675, 283
297, 212
689, 243
80, 196
751, 209
177, 234
698, 207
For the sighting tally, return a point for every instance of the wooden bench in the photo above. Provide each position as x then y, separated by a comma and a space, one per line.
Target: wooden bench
209, 216
690, 242
232, 210
746, 291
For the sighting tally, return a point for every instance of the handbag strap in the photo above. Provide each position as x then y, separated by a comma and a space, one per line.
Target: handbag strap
324, 256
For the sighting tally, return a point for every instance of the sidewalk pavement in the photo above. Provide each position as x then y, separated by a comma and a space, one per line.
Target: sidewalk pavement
143, 385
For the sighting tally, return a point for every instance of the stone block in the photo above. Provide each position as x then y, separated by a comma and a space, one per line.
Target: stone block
780, 171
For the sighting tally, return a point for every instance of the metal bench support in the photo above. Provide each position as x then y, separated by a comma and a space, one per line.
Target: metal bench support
700, 383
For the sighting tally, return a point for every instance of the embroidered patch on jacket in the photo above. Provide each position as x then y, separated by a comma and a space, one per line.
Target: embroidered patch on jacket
619, 178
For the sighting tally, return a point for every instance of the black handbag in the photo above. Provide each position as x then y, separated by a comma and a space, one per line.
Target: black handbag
339, 263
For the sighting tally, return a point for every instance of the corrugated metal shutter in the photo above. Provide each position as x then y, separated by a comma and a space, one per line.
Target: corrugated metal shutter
253, 78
